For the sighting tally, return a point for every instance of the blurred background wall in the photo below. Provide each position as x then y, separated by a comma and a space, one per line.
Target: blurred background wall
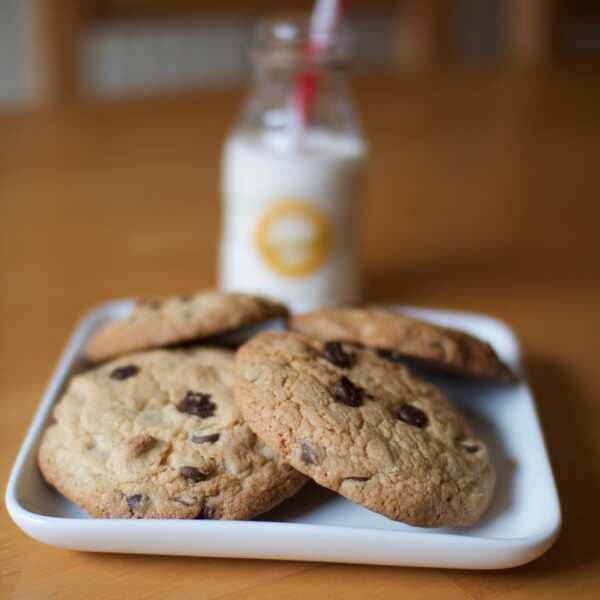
14, 88
58, 50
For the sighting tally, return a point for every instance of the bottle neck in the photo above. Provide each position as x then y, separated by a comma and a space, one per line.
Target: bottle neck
272, 103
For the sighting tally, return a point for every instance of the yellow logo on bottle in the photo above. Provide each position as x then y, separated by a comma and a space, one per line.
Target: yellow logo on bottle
293, 238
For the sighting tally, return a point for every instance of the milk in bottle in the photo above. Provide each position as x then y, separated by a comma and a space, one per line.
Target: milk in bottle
291, 192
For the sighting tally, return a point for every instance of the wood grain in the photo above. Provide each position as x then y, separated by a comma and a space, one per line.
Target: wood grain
483, 196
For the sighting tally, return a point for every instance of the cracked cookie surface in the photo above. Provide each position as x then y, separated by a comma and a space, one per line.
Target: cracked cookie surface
366, 428
158, 435
156, 323
398, 336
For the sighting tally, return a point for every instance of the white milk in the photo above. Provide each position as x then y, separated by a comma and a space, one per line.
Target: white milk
290, 216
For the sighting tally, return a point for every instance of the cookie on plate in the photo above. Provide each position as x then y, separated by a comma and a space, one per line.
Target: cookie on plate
154, 323
158, 435
399, 336
365, 428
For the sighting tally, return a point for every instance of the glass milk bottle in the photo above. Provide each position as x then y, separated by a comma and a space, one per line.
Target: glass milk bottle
291, 181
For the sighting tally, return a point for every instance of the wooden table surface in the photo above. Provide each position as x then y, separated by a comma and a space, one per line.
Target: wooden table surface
483, 196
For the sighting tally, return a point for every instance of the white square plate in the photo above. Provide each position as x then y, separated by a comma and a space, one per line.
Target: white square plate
317, 524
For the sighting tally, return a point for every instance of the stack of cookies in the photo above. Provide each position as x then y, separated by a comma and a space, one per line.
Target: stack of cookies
175, 424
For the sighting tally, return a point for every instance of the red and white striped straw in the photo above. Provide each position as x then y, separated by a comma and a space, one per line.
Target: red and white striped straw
325, 15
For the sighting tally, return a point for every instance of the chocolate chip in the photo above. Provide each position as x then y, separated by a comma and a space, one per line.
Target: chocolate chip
206, 512
121, 373
347, 393
390, 355
469, 447
411, 415
309, 456
197, 404
134, 501
335, 354
209, 438
193, 474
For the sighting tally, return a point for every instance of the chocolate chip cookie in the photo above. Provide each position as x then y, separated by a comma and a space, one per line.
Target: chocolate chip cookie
398, 336
158, 435
364, 427
155, 323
